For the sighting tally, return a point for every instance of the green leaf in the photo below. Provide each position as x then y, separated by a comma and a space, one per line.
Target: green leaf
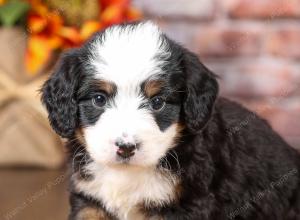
12, 11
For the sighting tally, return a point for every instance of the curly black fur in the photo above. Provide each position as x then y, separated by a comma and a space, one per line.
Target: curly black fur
250, 174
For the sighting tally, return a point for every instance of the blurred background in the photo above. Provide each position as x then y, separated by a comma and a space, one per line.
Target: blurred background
253, 45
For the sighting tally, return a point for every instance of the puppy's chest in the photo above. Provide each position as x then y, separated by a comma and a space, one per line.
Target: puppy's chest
124, 193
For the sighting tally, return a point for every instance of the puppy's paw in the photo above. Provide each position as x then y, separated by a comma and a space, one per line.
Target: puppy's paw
90, 213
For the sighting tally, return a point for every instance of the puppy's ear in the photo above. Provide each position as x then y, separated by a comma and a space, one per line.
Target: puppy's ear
59, 95
201, 92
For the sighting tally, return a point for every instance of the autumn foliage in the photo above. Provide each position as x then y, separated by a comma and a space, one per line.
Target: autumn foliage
49, 31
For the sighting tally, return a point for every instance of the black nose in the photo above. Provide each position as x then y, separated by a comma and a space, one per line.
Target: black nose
125, 150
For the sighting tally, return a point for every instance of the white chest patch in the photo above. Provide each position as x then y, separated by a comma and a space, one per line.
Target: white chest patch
122, 190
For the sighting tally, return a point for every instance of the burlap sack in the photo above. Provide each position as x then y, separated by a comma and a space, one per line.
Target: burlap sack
26, 138
12, 46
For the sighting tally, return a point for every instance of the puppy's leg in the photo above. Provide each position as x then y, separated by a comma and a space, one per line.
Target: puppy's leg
84, 209
91, 213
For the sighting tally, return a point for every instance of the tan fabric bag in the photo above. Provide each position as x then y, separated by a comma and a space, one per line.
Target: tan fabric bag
26, 138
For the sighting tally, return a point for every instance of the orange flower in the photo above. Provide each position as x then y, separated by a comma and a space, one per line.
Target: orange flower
106, 3
71, 36
117, 11
132, 14
89, 28
112, 15
38, 53
48, 33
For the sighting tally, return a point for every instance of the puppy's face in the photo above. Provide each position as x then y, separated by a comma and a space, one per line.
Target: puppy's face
129, 91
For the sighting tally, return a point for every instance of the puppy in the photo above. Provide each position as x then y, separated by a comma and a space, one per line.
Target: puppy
148, 137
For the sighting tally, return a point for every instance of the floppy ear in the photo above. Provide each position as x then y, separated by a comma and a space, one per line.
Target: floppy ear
201, 92
58, 95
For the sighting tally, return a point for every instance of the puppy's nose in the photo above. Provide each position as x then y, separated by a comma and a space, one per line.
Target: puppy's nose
125, 150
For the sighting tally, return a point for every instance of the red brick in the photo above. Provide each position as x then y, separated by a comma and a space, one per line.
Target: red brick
258, 80
176, 9
181, 32
284, 43
222, 42
271, 9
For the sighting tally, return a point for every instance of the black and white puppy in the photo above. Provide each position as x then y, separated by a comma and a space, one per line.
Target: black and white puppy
149, 138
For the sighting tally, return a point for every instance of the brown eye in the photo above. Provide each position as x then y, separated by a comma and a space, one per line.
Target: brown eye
157, 103
99, 100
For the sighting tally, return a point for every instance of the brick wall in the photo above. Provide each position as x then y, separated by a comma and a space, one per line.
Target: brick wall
253, 45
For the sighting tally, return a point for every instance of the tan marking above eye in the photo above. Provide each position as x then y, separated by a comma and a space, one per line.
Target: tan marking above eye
153, 87
107, 87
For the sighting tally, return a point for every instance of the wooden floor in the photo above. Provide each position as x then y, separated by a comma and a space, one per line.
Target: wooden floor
33, 194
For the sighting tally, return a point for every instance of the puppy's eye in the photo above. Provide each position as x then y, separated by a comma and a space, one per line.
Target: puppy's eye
157, 103
99, 100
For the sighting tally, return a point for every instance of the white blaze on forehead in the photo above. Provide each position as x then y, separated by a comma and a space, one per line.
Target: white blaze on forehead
126, 54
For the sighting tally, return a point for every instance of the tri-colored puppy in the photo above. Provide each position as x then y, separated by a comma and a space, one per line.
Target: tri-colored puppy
149, 138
